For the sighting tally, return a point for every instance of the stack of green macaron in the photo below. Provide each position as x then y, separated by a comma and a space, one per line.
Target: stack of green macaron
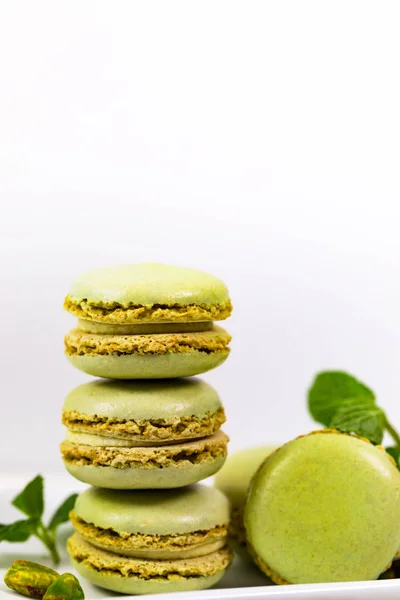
149, 431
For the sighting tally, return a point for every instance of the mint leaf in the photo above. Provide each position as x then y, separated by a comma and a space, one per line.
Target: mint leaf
61, 515
338, 400
394, 453
328, 391
30, 500
19, 531
358, 417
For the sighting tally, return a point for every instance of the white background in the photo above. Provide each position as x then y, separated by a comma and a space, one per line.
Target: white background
258, 141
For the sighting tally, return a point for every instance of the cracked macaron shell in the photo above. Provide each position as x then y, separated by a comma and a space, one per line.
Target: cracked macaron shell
148, 292
324, 508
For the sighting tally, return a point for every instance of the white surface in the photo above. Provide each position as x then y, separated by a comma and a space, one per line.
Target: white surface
256, 140
242, 582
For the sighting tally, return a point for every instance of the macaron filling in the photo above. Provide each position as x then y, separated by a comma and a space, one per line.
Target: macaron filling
142, 328
109, 562
114, 312
80, 343
194, 452
141, 431
160, 547
89, 439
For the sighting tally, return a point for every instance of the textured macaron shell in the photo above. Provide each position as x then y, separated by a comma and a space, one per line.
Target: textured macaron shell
148, 284
142, 400
235, 476
141, 478
148, 366
135, 585
324, 508
142, 576
140, 413
90, 439
93, 344
168, 512
145, 467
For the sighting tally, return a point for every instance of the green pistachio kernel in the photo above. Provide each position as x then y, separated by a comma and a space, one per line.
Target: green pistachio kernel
65, 587
29, 578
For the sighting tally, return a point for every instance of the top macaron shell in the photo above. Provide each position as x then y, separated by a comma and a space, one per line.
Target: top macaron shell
185, 510
324, 508
146, 284
142, 400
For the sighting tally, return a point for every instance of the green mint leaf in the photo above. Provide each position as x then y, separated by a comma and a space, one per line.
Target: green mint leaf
394, 452
357, 417
61, 515
30, 500
19, 531
330, 389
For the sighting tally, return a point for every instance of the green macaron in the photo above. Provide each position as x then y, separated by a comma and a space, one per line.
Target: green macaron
234, 481
147, 321
143, 434
324, 508
151, 541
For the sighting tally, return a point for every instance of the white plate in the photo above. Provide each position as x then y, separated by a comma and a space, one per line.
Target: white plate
242, 582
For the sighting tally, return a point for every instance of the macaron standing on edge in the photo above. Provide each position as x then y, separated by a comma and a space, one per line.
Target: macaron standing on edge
352, 532
151, 541
147, 321
234, 480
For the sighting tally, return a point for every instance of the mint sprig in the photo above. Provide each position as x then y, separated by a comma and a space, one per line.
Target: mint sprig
338, 400
330, 390
30, 501
19, 531
354, 416
394, 453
